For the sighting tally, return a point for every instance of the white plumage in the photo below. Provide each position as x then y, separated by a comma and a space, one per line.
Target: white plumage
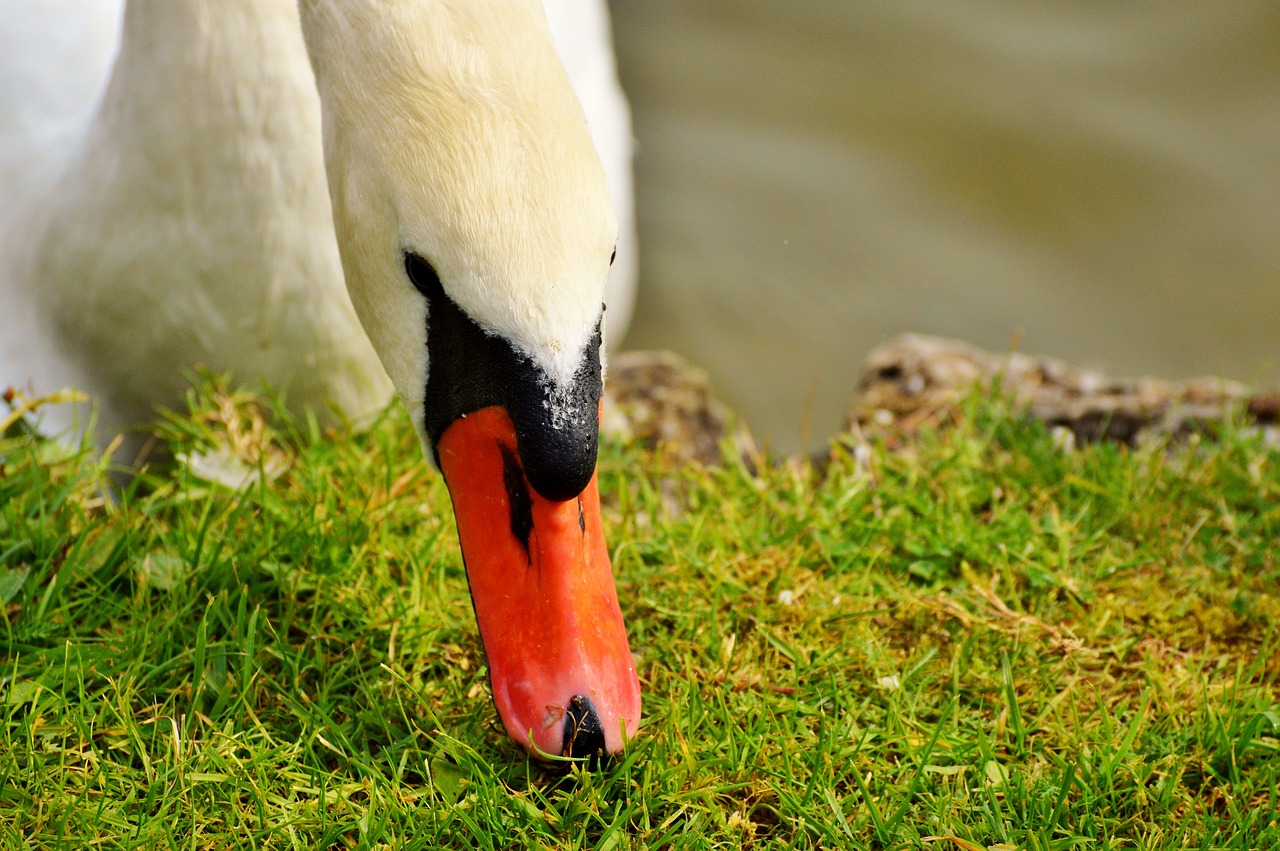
180, 216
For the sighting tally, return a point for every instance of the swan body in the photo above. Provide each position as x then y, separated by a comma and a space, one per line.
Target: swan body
188, 225
188, 221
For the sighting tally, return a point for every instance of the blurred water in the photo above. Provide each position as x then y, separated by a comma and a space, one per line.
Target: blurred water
1098, 180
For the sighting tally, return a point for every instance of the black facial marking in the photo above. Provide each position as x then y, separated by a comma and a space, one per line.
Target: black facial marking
557, 429
518, 500
583, 732
582, 521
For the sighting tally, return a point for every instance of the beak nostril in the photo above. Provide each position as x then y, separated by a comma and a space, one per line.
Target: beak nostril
519, 503
583, 732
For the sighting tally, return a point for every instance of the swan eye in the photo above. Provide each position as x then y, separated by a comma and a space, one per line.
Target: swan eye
613, 256
423, 276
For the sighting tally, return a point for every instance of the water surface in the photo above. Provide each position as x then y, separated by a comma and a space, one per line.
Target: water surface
1099, 181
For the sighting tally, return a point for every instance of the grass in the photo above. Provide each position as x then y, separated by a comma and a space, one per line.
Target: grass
979, 642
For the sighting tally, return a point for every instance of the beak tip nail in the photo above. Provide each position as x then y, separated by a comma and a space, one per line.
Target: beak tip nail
583, 732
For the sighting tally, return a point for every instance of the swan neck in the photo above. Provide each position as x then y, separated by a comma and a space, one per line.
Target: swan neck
181, 53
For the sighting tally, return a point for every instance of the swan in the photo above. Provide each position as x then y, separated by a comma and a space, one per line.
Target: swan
188, 219
179, 217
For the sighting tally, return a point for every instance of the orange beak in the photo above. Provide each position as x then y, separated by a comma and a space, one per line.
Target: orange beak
563, 679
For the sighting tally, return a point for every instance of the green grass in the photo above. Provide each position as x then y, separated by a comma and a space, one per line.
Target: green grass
980, 642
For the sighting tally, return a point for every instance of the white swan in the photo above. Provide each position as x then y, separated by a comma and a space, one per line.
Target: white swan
180, 217
186, 223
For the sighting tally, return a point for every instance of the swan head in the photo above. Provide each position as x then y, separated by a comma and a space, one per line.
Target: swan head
476, 233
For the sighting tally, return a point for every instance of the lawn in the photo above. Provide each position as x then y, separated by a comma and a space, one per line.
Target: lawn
979, 640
